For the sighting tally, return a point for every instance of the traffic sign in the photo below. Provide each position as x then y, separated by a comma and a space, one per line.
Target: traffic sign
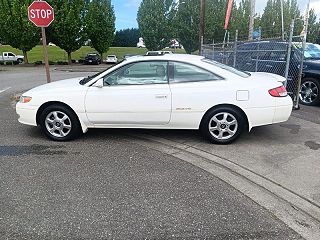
40, 13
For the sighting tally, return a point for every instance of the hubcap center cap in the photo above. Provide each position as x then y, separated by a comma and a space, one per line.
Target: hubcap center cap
223, 126
58, 124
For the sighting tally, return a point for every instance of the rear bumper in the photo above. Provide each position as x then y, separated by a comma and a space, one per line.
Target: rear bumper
269, 115
27, 115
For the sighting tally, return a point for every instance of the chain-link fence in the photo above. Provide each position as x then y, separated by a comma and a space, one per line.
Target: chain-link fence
278, 56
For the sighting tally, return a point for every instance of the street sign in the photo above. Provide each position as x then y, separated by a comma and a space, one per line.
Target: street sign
40, 13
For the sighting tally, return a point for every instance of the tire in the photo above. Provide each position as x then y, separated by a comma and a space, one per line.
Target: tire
310, 92
59, 123
20, 60
222, 125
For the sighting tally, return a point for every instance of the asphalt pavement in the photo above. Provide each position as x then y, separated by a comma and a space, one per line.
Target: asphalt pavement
106, 185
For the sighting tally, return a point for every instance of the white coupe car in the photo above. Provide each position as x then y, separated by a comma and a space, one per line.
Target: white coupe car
159, 92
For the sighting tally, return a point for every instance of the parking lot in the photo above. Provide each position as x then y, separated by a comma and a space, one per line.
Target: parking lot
155, 184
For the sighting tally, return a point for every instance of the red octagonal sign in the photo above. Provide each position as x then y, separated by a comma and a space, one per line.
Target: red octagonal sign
40, 13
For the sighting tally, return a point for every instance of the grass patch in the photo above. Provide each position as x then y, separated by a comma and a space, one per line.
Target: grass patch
56, 54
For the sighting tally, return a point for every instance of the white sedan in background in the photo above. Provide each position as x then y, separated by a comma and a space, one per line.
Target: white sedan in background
159, 92
111, 59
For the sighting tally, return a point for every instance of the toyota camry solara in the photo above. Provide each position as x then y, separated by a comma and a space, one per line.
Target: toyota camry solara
159, 92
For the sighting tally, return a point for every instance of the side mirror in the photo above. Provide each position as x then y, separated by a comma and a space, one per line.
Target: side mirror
99, 83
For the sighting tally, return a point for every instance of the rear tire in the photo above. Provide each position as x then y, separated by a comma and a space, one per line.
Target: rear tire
222, 125
59, 123
310, 92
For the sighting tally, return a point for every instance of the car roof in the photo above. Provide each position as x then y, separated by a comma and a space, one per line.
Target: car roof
167, 57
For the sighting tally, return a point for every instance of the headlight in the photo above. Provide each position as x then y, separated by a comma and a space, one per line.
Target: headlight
25, 99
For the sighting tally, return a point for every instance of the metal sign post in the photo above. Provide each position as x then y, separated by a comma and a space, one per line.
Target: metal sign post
45, 53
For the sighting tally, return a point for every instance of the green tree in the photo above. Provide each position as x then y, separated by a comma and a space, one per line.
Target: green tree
271, 18
100, 24
126, 38
187, 24
67, 29
313, 27
155, 18
242, 19
16, 29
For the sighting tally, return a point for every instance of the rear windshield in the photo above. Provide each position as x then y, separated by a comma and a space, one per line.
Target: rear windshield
228, 68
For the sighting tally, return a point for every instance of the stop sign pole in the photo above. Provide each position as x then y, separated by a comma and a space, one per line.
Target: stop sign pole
42, 15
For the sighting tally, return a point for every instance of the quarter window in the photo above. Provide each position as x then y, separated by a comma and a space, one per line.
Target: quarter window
139, 74
183, 72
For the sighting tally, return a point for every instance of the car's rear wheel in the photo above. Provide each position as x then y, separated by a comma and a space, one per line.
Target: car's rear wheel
59, 123
222, 125
309, 92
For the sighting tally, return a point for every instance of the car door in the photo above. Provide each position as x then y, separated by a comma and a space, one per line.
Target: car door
135, 94
194, 90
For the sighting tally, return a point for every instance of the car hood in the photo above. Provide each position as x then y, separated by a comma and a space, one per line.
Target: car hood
65, 85
19, 56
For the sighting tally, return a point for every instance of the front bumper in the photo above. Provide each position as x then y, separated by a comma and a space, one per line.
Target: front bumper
27, 115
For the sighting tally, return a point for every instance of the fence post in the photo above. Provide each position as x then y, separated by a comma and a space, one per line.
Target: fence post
257, 58
235, 49
201, 49
286, 74
213, 49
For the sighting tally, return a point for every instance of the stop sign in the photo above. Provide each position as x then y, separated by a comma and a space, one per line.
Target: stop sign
40, 13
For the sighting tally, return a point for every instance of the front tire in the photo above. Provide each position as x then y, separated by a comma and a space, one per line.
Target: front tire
59, 123
310, 92
222, 125
20, 60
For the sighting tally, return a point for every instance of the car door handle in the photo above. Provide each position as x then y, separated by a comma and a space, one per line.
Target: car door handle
161, 96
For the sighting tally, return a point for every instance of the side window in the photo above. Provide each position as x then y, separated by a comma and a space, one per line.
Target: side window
141, 73
10, 54
183, 72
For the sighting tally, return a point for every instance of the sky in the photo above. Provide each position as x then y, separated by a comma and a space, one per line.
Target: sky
126, 10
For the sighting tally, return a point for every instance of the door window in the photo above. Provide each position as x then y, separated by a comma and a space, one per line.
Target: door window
142, 73
10, 54
183, 72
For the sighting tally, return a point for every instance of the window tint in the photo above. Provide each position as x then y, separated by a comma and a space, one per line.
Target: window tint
183, 72
10, 54
139, 74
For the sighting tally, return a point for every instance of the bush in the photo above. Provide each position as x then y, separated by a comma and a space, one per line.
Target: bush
52, 63
62, 63
38, 63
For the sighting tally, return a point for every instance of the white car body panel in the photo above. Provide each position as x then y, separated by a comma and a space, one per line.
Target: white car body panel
162, 106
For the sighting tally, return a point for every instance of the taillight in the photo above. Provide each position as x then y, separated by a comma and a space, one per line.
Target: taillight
278, 92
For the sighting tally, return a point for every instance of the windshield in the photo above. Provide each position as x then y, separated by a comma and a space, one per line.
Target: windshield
228, 68
89, 78
312, 51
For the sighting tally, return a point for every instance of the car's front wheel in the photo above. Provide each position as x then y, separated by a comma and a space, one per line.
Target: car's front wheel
59, 123
309, 92
222, 125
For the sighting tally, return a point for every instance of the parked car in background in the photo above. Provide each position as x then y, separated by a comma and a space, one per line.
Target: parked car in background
92, 58
170, 91
51, 44
111, 59
158, 53
271, 56
11, 57
141, 43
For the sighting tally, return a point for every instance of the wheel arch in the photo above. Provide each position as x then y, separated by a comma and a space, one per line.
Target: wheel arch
247, 127
47, 104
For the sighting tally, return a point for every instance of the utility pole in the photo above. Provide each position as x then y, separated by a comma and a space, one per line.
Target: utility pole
251, 21
201, 24
282, 24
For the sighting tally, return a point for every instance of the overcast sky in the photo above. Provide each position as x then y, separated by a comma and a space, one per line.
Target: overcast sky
126, 10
